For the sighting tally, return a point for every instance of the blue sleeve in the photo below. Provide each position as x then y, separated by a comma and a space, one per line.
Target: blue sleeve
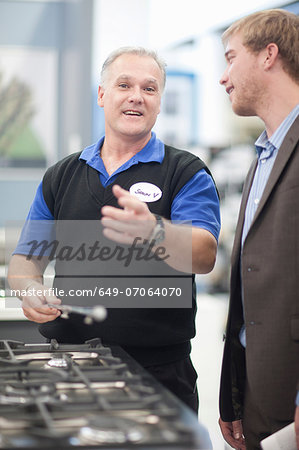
297, 399
198, 202
39, 209
38, 225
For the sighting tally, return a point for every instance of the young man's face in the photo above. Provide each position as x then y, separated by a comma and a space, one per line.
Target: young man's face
131, 97
242, 77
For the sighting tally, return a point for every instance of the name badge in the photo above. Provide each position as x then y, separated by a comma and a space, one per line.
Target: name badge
146, 192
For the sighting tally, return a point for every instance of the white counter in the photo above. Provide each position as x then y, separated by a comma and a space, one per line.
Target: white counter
6, 313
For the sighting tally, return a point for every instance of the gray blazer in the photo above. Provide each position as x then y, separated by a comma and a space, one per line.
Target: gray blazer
270, 279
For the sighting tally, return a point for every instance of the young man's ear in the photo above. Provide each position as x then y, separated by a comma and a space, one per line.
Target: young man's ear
100, 97
271, 55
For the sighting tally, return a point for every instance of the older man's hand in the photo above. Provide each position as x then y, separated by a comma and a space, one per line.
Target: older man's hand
133, 220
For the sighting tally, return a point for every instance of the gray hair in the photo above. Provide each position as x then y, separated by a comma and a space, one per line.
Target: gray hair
139, 51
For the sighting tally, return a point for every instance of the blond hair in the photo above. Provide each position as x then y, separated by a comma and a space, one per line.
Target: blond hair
271, 26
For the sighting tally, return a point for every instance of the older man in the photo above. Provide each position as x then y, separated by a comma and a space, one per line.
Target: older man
100, 184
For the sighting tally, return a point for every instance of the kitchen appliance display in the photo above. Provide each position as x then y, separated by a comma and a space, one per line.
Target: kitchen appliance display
87, 396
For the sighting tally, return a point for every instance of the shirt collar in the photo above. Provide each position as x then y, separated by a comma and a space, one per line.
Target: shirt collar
153, 151
275, 141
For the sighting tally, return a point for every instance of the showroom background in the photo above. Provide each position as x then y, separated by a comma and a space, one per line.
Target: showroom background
51, 53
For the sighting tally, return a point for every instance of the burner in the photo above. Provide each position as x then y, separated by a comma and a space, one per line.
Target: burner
111, 430
58, 361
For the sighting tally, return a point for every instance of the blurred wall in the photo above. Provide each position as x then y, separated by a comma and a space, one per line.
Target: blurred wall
61, 29
196, 112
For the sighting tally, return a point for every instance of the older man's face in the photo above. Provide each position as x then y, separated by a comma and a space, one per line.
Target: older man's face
131, 97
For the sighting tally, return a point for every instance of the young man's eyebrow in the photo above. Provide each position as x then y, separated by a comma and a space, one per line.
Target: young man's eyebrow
227, 53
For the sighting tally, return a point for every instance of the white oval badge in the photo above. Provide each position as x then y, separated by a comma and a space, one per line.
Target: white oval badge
146, 192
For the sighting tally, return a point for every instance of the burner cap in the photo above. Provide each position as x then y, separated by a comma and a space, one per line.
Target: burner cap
58, 361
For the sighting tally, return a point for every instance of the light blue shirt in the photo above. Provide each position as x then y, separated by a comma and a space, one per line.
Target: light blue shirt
267, 150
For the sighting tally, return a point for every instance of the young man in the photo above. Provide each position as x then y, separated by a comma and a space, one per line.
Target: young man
98, 184
260, 368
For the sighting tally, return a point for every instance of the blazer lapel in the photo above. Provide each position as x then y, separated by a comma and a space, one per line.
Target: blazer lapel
287, 147
239, 227
284, 154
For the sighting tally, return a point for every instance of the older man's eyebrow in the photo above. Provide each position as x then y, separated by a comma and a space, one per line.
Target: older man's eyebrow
125, 77
151, 81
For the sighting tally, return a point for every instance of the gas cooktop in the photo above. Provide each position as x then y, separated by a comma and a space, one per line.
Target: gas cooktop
90, 396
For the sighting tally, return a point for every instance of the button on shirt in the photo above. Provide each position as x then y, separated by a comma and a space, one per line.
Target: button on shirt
267, 150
